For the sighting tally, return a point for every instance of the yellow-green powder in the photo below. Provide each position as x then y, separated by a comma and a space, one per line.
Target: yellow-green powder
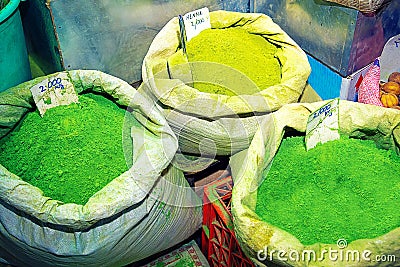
244, 57
70, 153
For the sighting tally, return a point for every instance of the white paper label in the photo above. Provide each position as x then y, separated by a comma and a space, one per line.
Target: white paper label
389, 60
196, 21
54, 91
323, 125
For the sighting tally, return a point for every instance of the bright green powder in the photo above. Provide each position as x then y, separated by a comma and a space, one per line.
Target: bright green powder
251, 65
70, 153
346, 188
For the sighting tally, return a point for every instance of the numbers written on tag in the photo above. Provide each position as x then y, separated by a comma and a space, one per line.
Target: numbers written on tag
196, 17
323, 125
196, 21
54, 91
55, 83
326, 110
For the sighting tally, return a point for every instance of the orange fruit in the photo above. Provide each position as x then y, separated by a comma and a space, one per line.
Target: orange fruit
392, 88
389, 100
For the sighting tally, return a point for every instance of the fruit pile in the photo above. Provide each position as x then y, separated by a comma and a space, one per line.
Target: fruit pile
390, 91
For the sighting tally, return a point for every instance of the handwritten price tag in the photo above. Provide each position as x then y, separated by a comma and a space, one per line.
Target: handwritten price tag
323, 125
196, 21
54, 91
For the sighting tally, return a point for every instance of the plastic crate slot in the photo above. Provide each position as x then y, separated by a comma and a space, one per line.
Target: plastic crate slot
217, 223
225, 257
215, 259
227, 239
223, 191
218, 235
206, 230
216, 252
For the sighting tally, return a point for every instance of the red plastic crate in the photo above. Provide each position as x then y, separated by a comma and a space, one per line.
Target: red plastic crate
219, 243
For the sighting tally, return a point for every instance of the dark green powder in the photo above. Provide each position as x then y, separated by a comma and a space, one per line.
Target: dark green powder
248, 57
70, 153
346, 188
3, 3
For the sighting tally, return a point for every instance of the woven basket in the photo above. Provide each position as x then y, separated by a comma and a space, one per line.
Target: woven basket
366, 6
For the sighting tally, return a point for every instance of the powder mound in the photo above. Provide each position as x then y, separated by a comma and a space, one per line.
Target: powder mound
346, 188
70, 153
244, 63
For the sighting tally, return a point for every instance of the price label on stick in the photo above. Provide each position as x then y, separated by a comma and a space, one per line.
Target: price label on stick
196, 21
323, 125
54, 91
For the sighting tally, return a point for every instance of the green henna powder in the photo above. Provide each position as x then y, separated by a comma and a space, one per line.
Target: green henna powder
248, 59
70, 153
346, 188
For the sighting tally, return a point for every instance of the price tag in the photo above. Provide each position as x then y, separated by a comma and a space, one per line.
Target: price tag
323, 125
54, 91
196, 21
